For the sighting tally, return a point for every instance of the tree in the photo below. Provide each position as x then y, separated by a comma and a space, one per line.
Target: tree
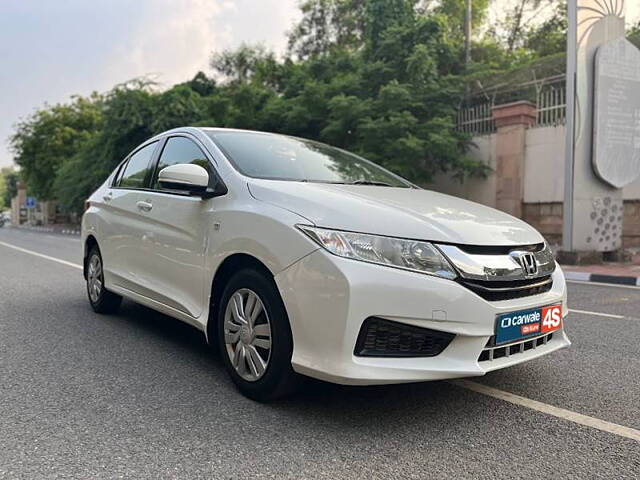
176, 107
455, 12
201, 84
240, 65
3, 189
392, 94
520, 18
549, 37
126, 117
634, 34
9, 179
327, 25
44, 141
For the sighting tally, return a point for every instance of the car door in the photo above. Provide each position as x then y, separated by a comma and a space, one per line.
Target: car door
176, 232
123, 222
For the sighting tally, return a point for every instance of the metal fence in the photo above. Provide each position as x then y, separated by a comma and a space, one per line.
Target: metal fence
551, 104
476, 119
549, 95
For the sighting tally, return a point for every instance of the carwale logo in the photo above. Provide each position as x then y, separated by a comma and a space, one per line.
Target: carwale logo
523, 319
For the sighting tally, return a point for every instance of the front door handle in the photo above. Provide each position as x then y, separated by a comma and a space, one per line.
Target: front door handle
144, 206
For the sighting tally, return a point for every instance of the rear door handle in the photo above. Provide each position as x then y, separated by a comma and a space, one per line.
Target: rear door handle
144, 206
108, 197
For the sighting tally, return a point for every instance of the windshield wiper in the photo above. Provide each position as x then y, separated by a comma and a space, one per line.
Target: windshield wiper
369, 182
356, 182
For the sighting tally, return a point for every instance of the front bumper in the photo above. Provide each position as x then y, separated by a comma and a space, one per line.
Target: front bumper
329, 297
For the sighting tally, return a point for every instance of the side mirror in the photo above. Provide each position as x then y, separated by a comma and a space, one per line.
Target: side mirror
191, 178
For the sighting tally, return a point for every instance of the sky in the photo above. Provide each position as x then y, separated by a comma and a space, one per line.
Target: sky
51, 49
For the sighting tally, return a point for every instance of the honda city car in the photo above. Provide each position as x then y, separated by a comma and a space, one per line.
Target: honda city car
295, 259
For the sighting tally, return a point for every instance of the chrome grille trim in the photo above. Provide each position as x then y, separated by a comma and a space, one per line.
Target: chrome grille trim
503, 266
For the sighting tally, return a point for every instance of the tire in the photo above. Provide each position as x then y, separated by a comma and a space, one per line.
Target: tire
249, 333
101, 300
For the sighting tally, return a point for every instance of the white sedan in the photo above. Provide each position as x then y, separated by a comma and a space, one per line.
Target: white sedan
300, 259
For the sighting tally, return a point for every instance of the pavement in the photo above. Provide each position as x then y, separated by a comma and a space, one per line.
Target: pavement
140, 395
618, 273
56, 228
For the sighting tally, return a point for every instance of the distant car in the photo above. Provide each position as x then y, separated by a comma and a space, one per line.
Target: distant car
297, 258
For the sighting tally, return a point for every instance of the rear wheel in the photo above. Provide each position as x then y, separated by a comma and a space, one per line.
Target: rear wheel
254, 337
101, 300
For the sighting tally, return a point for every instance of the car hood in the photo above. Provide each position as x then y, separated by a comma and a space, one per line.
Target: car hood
396, 212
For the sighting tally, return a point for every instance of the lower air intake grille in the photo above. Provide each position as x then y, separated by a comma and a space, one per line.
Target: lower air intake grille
383, 338
493, 353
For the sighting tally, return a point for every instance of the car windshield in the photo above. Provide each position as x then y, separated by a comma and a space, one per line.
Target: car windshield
278, 157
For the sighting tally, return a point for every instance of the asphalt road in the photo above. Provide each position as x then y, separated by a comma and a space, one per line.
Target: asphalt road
139, 395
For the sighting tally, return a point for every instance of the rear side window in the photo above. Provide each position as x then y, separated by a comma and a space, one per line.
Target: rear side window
119, 173
137, 168
180, 150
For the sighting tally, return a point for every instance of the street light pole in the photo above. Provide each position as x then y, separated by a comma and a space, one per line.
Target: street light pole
572, 65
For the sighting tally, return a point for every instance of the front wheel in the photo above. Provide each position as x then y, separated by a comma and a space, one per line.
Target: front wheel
254, 337
101, 300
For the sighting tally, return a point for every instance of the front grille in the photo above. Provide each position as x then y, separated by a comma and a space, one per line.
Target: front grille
384, 338
499, 250
493, 353
502, 272
507, 290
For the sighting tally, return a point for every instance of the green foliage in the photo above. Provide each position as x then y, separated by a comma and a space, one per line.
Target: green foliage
9, 179
328, 25
3, 192
44, 141
240, 65
634, 35
455, 11
550, 37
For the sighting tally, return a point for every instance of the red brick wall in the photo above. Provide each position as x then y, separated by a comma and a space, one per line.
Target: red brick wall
546, 218
631, 224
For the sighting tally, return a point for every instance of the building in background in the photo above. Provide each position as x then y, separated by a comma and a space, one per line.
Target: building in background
523, 143
27, 210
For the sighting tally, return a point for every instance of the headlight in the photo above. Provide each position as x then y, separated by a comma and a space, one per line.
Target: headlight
393, 252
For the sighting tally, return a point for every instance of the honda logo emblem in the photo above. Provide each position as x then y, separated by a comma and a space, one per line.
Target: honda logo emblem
527, 261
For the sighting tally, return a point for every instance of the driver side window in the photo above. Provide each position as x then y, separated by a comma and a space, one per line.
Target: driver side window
179, 150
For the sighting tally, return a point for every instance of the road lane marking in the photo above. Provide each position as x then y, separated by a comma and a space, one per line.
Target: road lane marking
599, 314
41, 255
574, 417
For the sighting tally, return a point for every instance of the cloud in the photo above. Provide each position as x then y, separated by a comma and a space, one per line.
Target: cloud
51, 50
174, 40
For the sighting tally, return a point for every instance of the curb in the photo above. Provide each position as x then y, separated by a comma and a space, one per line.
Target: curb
601, 278
49, 230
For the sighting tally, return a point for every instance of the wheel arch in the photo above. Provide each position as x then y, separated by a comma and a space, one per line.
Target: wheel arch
89, 243
233, 263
